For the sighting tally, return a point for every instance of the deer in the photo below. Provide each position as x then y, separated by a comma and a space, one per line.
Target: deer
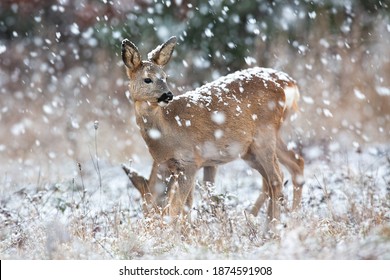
237, 116
153, 194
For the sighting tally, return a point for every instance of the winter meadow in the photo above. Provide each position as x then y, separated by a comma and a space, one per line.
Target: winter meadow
67, 124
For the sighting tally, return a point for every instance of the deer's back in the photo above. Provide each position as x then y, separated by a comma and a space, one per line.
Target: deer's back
218, 121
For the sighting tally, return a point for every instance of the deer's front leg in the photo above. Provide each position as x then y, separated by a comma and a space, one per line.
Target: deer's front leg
180, 189
138, 181
152, 190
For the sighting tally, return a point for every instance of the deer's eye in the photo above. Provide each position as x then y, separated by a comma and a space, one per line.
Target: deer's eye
148, 80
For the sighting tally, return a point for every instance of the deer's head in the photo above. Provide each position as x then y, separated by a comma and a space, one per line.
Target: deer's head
148, 81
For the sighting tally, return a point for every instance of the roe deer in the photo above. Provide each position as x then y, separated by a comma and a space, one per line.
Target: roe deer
152, 190
236, 116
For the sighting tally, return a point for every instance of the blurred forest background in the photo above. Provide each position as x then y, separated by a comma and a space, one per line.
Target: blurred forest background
61, 70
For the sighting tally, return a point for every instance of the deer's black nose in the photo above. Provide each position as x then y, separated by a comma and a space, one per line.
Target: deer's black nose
165, 98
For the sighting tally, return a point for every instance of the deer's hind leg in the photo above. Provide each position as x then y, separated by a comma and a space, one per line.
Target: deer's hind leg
261, 156
209, 174
263, 197
295, 165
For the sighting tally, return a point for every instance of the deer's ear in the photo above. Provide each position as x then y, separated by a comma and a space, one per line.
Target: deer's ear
130, 55
162, 54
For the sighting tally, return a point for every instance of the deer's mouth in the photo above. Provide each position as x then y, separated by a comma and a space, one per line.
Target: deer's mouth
164, 99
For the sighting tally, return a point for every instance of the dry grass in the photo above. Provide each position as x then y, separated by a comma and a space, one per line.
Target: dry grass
345, 215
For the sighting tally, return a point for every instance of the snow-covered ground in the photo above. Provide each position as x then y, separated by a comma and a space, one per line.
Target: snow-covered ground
345, 215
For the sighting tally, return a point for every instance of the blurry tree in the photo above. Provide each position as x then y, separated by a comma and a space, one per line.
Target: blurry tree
334, 49
221, 32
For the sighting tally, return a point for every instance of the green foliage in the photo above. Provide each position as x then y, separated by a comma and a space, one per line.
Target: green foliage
200, 25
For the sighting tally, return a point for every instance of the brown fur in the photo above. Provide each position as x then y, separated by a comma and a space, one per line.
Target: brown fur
253, 111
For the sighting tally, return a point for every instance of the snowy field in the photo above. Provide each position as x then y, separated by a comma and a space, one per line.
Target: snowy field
97, 215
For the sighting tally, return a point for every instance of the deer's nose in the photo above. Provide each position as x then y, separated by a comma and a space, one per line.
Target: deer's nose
164, 99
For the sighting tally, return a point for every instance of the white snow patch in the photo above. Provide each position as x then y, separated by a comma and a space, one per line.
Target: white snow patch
382, 91
231, 45
152, 53
154, 133
52, 155
208, 33
74, 28
359, 95
327, 113
177, 118
218, 117
250, 60
221, 85
84, 80
308, 99
291, 145
18, 129
288, 14
218, 134
48, 109
2, 49
312, 15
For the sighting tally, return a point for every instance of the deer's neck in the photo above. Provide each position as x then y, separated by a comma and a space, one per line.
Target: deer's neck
148, 115
155, 130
